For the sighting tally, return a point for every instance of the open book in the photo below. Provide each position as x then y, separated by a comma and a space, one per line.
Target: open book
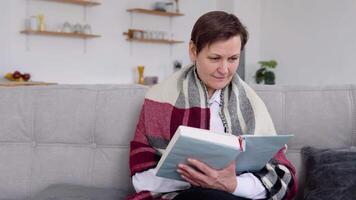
251, 152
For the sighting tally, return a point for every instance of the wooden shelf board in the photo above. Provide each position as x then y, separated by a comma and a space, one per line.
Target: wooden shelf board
27, 83
156, 41
78, 2
53, 33
154, 12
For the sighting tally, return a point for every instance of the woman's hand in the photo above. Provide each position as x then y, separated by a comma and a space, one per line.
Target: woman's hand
207, 177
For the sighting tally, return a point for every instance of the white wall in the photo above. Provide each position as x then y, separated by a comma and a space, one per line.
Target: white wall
226, 5
4, 35
108, 59
249, 12
313, 40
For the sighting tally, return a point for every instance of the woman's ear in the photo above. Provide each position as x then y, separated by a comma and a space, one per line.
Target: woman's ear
192, 51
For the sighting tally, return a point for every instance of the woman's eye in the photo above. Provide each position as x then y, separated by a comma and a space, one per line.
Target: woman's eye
214, 58
233, 59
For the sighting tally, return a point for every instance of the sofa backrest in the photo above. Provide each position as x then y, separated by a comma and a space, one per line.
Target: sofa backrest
80, 134
318, 116
66, 134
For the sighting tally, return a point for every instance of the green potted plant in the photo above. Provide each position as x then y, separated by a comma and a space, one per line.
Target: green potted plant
265, 74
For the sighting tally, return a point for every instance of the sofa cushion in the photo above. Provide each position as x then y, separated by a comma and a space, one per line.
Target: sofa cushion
330, 174
76, 192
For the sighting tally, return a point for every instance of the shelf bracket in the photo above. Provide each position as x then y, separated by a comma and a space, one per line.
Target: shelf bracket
131, 19
85, 14
85, 46
131, 25
170, 33
85, 10
27, 11
131, 51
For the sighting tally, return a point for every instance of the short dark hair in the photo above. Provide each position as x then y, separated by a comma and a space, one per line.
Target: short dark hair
216, 26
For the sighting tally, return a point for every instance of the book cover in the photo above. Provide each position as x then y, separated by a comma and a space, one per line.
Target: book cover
258, 150
218, 150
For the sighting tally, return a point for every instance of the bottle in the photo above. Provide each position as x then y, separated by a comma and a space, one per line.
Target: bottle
41, 23
140, 70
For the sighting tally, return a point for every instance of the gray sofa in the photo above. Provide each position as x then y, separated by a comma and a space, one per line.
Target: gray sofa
72, 141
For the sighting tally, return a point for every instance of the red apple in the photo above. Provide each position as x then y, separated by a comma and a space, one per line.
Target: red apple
16, 75
26, 76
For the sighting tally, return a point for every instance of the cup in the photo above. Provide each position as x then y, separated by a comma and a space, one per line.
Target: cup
86, 29
77, 28
32, 23
162, 35
169, 7
138, 34
66, 27
156, 35
165, 35
151, 80
145, 35
160, 6
150, 35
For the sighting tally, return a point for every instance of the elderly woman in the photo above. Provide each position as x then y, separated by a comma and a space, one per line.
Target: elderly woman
210, 95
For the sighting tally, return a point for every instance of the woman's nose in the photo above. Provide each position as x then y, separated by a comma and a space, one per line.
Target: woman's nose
223, 69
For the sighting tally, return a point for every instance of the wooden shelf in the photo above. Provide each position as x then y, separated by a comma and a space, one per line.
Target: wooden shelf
27, 83
78, 2
155, 41
53, 33
154, 12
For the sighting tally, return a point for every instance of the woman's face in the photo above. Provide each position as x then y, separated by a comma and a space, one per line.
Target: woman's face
217, 63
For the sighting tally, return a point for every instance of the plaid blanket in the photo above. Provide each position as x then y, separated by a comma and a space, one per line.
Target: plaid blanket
182, 100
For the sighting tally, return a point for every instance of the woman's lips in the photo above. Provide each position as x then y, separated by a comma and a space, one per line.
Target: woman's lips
219, 78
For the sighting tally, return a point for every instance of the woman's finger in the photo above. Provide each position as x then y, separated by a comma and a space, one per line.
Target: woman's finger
203, 167
194, 174
186, 177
